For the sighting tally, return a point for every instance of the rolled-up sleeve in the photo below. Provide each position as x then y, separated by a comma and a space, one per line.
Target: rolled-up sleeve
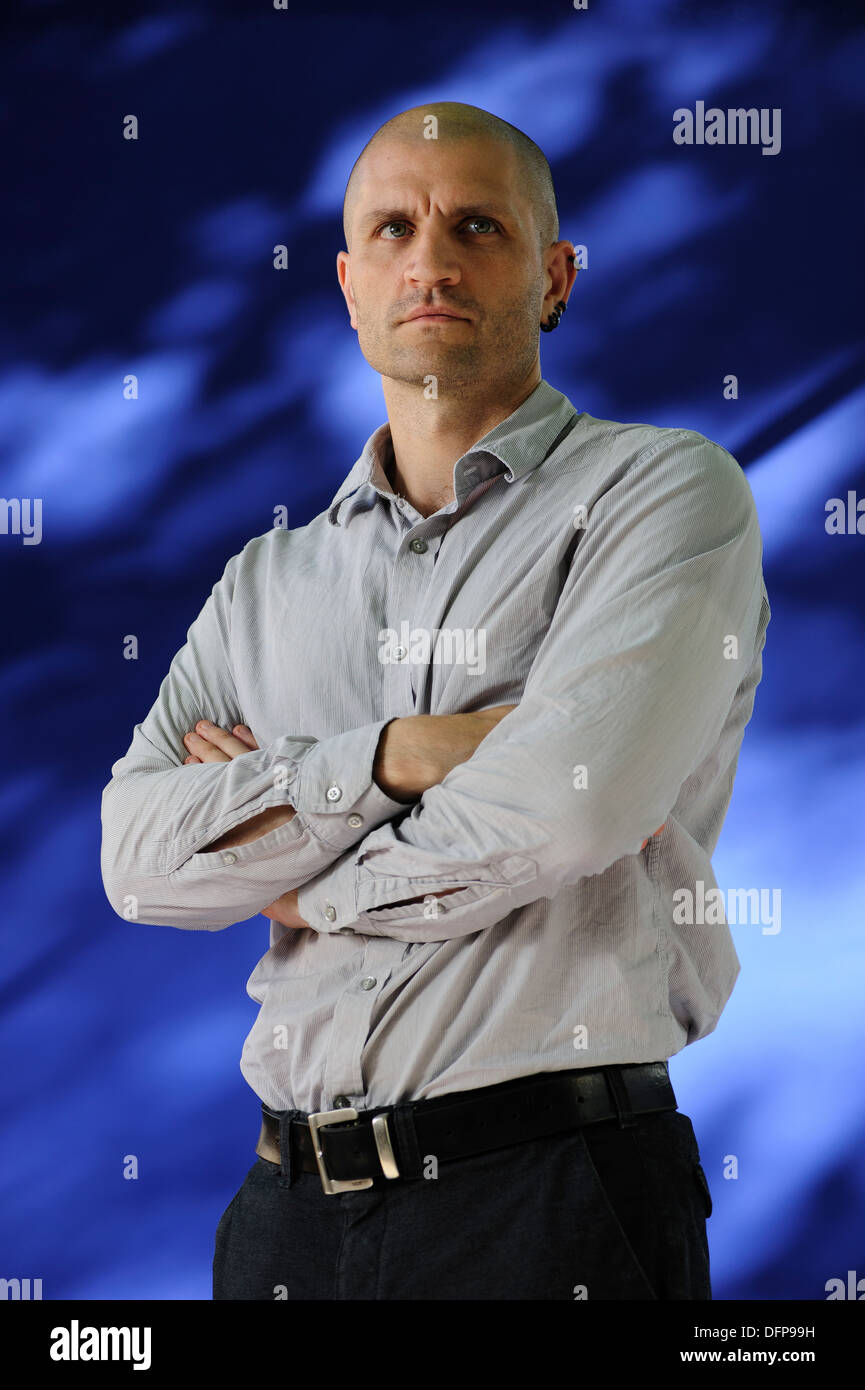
655, 628
158, 813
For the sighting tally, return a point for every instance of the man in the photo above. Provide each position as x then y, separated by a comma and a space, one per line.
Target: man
470, 731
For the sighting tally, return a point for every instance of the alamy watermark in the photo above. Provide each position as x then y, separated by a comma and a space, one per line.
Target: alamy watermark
22, 516
444, 646
739, 126
706, 907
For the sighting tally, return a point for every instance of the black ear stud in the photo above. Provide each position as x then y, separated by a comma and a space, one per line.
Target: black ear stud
555, 317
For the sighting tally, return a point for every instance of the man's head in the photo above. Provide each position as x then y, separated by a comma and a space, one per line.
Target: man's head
465, 221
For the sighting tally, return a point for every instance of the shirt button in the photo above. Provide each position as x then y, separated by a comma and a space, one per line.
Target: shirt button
334, 793
418, 545
346, 931
229, 857
355, 821
400, 652
341, 1102
368, 982
330, 912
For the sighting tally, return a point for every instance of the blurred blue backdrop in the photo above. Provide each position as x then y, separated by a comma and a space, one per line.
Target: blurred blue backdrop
154, 257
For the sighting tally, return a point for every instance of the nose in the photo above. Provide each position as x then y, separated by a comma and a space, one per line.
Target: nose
434, 259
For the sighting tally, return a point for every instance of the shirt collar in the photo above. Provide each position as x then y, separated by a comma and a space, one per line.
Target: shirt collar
515, 446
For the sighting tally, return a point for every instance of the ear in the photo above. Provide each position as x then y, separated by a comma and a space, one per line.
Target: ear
562, 272
343, 274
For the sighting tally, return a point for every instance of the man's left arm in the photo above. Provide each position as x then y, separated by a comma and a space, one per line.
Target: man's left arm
628, 693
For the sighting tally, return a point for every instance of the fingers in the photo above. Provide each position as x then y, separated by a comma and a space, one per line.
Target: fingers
245, 735
203, 750
210, 744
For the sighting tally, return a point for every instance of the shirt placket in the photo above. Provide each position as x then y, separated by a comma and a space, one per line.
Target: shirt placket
343, 1077
412, 568
412, 572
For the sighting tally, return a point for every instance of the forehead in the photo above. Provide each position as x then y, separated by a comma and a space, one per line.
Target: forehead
447, 171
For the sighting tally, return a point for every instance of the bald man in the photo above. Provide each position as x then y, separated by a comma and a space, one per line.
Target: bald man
464, 226
469, 796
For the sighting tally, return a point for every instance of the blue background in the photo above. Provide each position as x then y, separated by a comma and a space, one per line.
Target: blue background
154, 257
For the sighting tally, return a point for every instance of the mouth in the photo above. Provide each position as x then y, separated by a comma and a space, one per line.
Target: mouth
434, 316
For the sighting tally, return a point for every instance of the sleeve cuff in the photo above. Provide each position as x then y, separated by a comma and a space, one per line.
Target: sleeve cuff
329, 901
341, 900
334, 791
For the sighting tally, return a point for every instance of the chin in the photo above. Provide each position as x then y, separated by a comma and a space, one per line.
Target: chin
451, 366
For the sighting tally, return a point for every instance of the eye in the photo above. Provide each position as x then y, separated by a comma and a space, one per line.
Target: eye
480, 218
386, 227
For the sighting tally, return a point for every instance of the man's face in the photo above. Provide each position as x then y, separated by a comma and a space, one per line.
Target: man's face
446, 226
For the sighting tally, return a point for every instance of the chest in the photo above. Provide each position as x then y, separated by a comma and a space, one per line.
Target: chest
369, 627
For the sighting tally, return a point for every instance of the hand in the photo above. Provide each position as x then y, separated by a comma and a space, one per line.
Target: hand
207, 743
419, 750
285, 910
210, 744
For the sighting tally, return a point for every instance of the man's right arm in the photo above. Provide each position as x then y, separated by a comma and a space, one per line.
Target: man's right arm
159, 815
161, 819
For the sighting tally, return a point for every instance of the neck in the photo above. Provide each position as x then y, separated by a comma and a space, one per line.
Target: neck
428, 436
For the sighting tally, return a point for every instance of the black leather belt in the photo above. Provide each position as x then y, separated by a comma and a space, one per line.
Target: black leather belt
351, 1148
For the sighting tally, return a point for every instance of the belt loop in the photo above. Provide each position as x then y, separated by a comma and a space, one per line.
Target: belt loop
285, 1118
621, 1099
408, 1155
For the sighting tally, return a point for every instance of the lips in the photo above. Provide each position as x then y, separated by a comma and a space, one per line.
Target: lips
434, 314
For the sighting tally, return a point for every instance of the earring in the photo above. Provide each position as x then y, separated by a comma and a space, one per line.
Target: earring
555, 317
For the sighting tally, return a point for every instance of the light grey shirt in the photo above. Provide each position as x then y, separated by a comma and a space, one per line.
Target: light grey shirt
607, 579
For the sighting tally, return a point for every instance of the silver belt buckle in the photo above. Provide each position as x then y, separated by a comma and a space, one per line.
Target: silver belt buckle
320, 1118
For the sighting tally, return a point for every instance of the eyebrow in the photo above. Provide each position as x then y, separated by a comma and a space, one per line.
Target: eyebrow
479, 209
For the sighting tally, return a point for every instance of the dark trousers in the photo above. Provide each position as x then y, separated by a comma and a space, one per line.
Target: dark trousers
600, 1212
